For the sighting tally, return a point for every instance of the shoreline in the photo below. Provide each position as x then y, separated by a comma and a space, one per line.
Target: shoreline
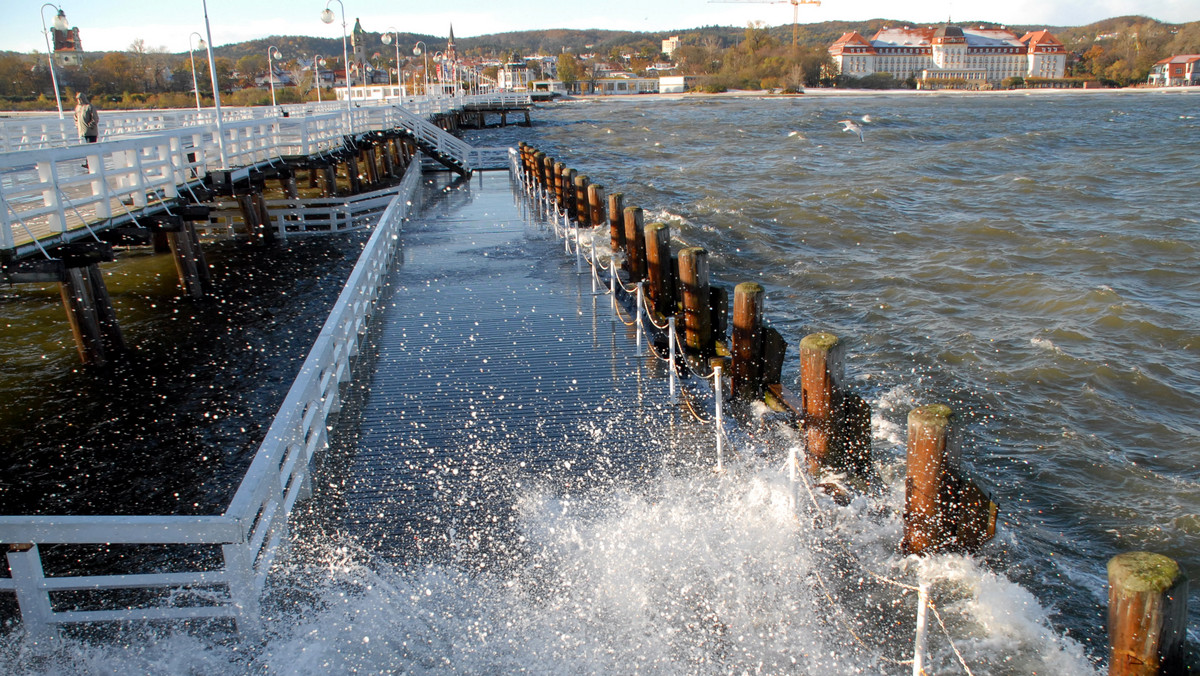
831, 92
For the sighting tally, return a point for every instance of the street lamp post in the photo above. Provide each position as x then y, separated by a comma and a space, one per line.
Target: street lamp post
272, 54
192, 56
318, 61
389, 38
60, 22
327, 17
439, 58
212, 72
418, 51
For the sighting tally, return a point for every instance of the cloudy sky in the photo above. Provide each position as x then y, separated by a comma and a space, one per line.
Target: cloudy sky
114, 24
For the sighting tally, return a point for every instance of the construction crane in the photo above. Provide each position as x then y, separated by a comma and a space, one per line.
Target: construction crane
795, 11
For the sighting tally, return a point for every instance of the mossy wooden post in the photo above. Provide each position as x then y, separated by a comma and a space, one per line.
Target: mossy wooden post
635, 243
595, 200
925, 523
658, 268
583, 210
697, 318
616, 222
1147, 615
745, 382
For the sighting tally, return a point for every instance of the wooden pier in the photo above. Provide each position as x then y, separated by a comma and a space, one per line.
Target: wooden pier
484, 353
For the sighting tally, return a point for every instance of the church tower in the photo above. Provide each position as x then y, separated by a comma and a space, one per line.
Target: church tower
358, 39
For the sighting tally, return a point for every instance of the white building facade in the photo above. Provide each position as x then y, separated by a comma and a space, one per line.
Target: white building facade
982, 55
1181, 70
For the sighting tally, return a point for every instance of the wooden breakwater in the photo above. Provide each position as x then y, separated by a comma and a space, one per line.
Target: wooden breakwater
945, 509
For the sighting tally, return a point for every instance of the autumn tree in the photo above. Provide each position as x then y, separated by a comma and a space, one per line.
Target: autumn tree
569, 69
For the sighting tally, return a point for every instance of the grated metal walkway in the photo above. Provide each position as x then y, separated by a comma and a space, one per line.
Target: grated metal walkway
495, 370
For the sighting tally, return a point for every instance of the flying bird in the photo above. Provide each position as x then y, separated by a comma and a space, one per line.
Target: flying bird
852, 127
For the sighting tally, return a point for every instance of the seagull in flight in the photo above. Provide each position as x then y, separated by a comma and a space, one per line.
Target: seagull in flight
852, 127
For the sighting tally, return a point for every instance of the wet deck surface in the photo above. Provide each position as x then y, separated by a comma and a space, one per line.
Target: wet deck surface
494, 369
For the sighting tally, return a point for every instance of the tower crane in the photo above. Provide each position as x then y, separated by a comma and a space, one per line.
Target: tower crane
795, 10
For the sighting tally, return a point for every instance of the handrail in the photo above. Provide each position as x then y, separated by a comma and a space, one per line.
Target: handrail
49, 197
253, 527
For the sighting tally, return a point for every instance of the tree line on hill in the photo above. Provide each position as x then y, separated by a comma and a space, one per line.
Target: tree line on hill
1120, 51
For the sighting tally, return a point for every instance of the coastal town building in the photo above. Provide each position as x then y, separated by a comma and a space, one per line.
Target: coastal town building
978, 55
670, 44
512, 77
68, 50
1181, 70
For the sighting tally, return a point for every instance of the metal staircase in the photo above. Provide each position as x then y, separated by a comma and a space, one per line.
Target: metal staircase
440, 145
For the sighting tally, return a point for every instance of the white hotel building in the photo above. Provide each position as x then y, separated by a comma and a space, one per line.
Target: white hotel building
983, 55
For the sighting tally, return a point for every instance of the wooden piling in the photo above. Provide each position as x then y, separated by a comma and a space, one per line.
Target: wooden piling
267, 226
697, 317
560, 170
250, 215
287, 182
925, 523
661, 285
185, 263
329, 180
1147, 615
583, 209
389, 168
547, 172
352, 174
81, 314
372, 172
821, 373
569, 176
745, 381
616, 222
596, 204
635, 243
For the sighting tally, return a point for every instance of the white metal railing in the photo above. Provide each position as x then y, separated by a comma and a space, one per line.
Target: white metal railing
42, 130
252, 529
50, 192
305, 216
46, 194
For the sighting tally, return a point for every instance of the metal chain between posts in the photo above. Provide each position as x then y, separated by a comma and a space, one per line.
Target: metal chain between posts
687, 400
882, 578
593, 264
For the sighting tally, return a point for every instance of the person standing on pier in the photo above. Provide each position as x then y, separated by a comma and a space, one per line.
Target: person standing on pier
87, 120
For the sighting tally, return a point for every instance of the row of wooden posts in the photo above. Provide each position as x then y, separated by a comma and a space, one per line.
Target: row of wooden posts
944, 510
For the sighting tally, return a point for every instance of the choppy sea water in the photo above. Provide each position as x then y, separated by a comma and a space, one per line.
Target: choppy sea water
1027, 259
